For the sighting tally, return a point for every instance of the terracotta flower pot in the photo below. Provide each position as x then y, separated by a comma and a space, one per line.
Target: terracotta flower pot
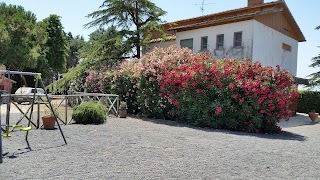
48, 122
313, 116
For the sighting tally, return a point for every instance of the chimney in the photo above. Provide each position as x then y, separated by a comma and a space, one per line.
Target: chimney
255, 2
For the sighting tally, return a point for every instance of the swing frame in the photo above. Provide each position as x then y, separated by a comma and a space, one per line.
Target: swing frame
27, 129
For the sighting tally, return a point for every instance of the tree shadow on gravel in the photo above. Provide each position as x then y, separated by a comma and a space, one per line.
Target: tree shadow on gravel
283, 135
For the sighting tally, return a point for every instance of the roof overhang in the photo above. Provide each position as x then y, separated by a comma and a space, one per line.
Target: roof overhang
237, 15
225, 20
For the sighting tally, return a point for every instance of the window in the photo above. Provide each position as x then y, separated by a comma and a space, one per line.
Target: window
187, 43
237, 39
204, 43
220, 40
286, 47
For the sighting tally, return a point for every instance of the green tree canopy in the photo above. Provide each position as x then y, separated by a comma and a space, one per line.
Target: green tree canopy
75, 44
104, 47
20, 38
56, 44
134, 18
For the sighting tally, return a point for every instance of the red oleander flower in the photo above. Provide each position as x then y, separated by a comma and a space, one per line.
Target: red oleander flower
235, 96
218, 110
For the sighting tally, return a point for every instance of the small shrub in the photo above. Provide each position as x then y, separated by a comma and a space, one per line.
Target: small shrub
90, 113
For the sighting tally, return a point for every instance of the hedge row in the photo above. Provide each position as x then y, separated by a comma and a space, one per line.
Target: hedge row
308, 101
227, 94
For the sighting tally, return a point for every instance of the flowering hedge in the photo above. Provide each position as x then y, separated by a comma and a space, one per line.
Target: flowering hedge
152, 67
121, 82
136, 81
99, 81
308, 101
226, 94
93, 83
230, 94
124, 84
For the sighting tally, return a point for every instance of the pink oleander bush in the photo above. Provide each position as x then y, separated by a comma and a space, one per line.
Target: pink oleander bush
225, 94
93, 82
120, 82
152, 67
124, 84
230, 94
99, 81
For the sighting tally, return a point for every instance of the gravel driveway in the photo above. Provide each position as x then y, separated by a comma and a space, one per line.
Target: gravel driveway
133, 148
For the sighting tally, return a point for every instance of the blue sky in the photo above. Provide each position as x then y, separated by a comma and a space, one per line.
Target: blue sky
73, 14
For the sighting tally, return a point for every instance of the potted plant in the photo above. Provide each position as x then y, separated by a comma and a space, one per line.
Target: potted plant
123, 109
49, 120
313, 115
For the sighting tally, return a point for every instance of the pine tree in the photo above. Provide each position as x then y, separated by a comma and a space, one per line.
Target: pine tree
135, 19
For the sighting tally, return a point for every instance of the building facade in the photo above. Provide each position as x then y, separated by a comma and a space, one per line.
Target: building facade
265, 32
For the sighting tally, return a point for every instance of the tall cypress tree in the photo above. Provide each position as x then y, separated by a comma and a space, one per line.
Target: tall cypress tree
56, 44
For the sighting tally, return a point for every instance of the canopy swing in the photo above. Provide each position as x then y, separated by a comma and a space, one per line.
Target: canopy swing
29, 126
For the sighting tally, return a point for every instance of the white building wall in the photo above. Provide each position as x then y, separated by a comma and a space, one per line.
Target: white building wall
267, 48
246, 27
259, 42
162, 44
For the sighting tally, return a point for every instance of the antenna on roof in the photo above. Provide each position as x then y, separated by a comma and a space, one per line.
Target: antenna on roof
202, 5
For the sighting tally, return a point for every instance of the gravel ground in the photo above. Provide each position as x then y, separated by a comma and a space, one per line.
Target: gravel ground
134, 148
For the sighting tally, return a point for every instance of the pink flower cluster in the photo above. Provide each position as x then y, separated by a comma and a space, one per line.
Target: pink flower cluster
99, 81
144, 75
93, 82
257, 96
